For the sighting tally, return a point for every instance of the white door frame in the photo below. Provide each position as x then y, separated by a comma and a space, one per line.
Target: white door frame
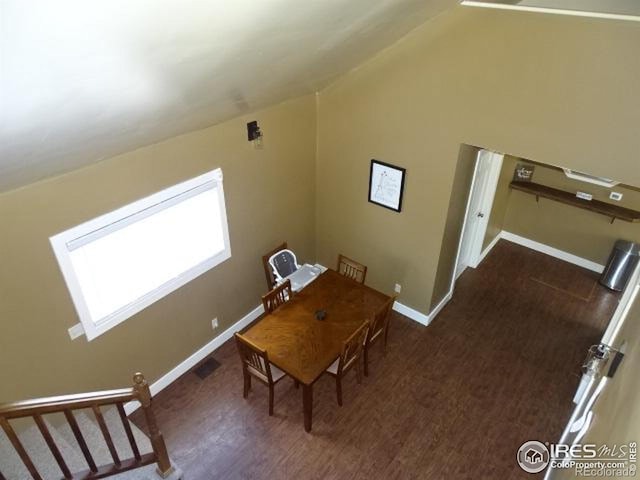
610, 337
496, 167
631, 292
478, 211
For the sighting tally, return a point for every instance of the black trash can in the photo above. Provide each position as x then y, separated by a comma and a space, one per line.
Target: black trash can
622, 261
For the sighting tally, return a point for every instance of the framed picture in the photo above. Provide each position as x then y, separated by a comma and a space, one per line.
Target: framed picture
386, 184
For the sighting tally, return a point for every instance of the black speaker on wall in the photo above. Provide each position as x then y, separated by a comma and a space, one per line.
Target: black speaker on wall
253, 131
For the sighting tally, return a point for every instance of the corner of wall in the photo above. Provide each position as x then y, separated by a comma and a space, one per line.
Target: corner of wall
316, 170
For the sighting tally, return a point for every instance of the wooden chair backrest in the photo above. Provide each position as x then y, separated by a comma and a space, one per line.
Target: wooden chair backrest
351, 269
271, 281
276, 297
254, 359
352, 348
380, 322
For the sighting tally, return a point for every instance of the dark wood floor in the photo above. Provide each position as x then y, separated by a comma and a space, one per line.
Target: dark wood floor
455, 400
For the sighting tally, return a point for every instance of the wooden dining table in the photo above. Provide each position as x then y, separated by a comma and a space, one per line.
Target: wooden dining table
302, 345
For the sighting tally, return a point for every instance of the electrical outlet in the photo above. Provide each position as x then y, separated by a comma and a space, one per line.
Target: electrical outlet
584, 196
617, 196
214, 323
398, 288
76, 331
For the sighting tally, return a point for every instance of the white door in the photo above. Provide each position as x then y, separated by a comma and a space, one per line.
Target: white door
483, 190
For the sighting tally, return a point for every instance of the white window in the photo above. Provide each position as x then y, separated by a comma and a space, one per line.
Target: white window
122, 262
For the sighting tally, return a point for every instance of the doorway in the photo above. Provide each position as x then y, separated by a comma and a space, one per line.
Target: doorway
483, 189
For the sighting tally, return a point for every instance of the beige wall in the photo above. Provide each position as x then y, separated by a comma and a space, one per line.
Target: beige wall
554, 88
269, 196
580, 232
500, 201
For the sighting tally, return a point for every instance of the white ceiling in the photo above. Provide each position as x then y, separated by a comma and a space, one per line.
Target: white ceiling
84, 80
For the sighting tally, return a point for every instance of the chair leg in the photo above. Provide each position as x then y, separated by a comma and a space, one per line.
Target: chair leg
247, 384
359, 372
366, 361
339, 389
271, 399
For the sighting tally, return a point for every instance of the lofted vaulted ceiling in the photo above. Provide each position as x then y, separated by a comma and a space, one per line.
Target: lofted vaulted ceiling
82, 80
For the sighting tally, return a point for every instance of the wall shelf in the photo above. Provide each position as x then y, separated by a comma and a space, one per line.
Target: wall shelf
612, 211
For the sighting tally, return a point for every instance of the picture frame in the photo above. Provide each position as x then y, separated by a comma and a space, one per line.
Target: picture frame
386, 185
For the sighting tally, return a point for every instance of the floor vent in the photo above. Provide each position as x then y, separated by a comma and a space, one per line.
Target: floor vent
206, 368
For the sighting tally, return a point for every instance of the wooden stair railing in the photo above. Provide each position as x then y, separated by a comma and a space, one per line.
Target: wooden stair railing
66, 404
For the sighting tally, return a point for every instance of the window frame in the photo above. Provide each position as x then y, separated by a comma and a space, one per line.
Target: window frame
62, 251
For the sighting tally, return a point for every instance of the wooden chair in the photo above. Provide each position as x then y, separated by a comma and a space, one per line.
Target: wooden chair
378, 329
276, 297
351, 269
350, 357
255, 362
271, 281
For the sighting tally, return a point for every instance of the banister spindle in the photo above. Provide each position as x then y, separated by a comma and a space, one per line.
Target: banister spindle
127, 429
80, 439
17, 444
141, 387
69, 405
106, 434
44, 430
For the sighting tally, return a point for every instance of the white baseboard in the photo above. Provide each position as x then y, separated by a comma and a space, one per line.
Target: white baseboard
414, 315
490, 247
195, 358
443, 303
554, 252
420, 317
511, 237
